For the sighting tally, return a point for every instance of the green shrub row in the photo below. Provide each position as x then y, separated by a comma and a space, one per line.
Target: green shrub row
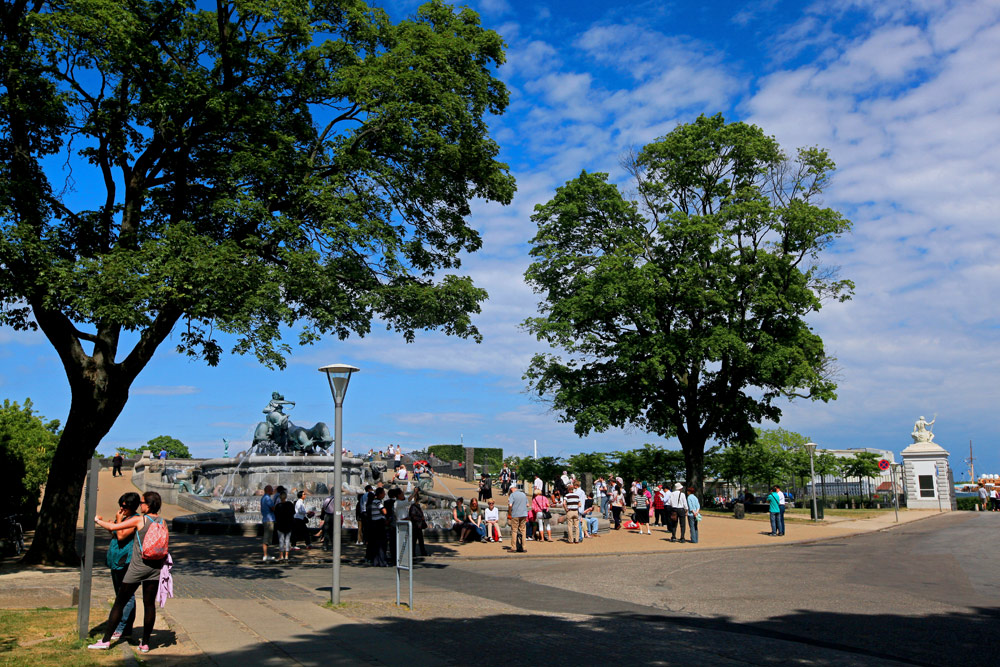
491, 456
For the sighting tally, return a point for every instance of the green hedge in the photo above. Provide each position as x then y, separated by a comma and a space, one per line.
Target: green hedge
968, 504
492, 456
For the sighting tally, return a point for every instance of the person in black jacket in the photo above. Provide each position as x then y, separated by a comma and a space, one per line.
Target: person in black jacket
284, 522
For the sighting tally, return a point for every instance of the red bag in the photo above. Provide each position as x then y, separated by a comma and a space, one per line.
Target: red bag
630, 525
157, 538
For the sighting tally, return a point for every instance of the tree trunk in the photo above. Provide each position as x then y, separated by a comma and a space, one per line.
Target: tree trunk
89, 420
694, 464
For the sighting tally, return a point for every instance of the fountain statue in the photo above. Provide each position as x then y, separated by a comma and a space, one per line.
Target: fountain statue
278, 435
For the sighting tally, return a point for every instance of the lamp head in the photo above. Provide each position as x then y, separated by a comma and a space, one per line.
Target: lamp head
339, 375
810, 447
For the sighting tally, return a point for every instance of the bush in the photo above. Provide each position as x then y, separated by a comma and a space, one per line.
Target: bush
492, 456
967, 504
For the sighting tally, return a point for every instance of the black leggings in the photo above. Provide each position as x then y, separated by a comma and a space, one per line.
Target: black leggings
126, 591
616, 512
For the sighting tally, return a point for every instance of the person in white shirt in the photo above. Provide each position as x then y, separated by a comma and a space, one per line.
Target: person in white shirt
600, 497
538, 484
781, 514
677, 514
582, 495
492, 516
300, 521
402, 476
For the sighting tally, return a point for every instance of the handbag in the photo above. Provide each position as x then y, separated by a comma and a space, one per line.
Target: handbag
545, 515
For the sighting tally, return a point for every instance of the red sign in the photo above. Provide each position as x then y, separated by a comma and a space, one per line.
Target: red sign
883, 464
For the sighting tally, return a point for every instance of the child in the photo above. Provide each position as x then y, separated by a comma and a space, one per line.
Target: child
284, 522
492, 522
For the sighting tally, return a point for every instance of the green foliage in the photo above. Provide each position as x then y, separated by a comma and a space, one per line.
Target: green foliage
492, 456
175, 448
967, 504
650, 463
27, 443
683, 313
548, 468
768, 459
593, 462
286, 164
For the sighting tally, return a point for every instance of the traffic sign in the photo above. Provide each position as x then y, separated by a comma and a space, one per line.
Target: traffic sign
883, 464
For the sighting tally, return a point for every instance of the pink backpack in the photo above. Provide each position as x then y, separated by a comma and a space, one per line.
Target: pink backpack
155, 545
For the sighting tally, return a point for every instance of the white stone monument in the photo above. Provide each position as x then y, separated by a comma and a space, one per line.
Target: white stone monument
927, 476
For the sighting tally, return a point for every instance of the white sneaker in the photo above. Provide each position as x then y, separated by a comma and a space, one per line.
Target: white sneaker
264, 559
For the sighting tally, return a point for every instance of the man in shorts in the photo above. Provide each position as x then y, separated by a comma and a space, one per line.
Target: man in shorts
267, 518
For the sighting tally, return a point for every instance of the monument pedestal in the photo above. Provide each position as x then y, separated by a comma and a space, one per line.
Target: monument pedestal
927, 477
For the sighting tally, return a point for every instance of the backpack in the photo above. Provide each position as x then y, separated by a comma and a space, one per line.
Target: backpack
157, 537
119, 555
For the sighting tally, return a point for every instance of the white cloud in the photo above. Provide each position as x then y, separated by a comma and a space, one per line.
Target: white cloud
433, 418
918, 176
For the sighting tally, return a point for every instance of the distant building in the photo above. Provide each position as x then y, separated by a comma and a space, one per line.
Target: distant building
837, 485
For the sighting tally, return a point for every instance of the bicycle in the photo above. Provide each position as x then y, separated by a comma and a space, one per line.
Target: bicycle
14, 535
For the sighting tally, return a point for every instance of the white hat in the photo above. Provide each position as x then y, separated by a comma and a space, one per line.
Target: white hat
678, 486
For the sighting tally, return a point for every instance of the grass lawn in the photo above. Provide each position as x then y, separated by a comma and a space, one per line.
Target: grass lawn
44, 636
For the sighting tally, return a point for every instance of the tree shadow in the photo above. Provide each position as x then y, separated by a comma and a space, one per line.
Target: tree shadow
655, 638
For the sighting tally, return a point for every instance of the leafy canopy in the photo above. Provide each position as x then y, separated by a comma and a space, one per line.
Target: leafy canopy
265, 165
682, 312
27, 443
175, 448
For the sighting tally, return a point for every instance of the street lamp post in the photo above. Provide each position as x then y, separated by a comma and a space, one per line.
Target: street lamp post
811, 448
893, 469
339, 375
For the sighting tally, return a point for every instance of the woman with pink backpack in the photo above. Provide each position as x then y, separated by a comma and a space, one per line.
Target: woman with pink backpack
149, 551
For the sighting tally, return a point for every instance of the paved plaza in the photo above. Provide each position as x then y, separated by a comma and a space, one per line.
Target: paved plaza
921, 593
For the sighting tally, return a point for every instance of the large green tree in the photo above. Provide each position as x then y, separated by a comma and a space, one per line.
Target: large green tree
27, 442
683, 312
244, 167
175, 448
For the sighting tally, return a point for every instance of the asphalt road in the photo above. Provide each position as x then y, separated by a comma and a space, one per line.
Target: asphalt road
925, 593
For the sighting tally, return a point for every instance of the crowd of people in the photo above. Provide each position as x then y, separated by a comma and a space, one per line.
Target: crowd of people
534, 509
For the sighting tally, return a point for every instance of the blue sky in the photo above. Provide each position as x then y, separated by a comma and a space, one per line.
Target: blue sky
906, 97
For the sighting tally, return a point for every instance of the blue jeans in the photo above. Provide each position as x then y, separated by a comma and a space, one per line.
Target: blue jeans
781, 521
590, 522
693, 528
604, 504
775, 521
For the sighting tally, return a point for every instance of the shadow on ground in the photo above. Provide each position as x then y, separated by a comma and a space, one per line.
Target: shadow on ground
802, 637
